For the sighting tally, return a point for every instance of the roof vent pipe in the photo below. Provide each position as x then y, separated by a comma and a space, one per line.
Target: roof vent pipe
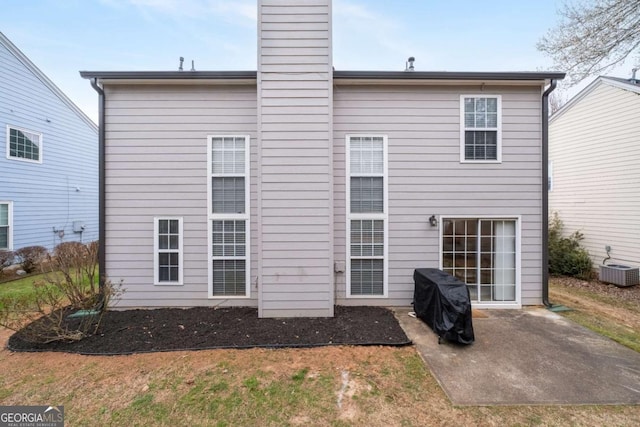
181, 62
409, 65
193, 68
633, 75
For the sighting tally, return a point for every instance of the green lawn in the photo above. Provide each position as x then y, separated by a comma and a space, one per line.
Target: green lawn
19, 289
22, 289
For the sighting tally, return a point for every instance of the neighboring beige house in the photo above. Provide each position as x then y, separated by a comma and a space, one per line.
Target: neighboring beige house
297, 187
594, 153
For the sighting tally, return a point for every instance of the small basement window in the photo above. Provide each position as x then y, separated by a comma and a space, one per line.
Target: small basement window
168, 251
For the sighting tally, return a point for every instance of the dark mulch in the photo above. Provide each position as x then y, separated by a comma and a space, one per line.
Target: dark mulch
169, 329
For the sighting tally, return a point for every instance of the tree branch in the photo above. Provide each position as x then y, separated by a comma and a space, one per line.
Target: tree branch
593, 37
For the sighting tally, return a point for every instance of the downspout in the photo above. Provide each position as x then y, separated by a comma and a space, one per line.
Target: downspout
545, 193
101, 194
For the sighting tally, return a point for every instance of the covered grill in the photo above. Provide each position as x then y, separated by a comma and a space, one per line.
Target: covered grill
443, 302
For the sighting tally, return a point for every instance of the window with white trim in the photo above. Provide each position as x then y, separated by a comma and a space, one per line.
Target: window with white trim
168, 251
24, 145
366, 215
480, 119
6, 226
229, 215
483, 254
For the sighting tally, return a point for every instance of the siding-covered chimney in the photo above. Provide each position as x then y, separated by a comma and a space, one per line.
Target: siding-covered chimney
295, 194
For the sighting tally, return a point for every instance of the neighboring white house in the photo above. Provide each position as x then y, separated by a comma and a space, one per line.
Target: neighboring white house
594, 155
297, 187
48, 159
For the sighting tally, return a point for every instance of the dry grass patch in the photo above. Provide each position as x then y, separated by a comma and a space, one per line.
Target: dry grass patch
608, 310
330, 386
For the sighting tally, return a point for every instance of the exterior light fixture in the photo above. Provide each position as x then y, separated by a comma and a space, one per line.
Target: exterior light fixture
433, 220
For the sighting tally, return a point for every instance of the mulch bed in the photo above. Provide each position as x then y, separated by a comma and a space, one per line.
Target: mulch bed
171, 329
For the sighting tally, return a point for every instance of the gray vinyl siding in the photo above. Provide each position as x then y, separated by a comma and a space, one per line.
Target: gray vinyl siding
295, 190
595, 151
156, 165
64, 187
426, 177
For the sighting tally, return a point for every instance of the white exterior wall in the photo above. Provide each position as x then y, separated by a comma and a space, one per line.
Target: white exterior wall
295, 158
156, 165
426, 178
595, 150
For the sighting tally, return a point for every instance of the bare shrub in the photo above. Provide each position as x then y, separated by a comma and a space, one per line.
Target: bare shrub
73, 269
6, 259
70, 287
30, 257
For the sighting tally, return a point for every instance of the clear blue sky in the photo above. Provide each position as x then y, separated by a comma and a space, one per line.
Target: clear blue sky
63, 37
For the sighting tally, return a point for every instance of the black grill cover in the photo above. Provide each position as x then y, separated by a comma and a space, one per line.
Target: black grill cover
443, 302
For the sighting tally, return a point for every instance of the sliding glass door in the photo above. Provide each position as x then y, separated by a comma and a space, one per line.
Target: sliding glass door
482, 253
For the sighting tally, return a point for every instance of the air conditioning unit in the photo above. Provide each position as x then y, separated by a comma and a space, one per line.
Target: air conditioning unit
619, 275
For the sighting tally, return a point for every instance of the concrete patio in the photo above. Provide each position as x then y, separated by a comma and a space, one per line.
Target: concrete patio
528, 357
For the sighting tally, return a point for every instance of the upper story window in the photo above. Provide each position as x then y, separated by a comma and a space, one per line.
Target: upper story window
228, 174
480, 133
24, 145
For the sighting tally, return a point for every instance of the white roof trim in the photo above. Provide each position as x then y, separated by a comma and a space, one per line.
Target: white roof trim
590, 88
45, 80
435, 82
186, 82
621, 85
